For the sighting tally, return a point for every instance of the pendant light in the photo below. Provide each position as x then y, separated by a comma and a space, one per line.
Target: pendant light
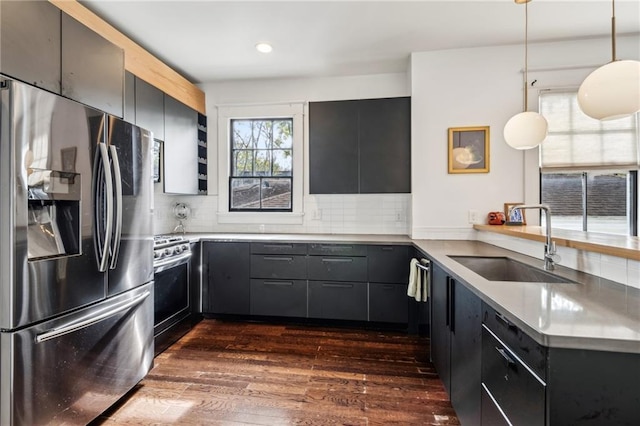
613, 90
528, 129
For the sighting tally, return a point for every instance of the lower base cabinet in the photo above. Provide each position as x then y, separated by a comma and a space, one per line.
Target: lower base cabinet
388, 303
285, 298
338, 300
227, 270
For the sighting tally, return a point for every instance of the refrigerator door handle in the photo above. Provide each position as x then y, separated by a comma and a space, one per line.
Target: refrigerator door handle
117, 178
89, 320
104, 256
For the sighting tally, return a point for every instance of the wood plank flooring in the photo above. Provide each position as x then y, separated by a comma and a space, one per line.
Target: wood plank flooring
236, 373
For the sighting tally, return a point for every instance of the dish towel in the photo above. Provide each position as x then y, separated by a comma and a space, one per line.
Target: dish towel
418, 282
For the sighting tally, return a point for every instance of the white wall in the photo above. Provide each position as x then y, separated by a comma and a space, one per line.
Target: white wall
341, 214
483, 86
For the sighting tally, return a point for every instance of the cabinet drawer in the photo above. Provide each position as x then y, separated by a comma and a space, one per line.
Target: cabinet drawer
491, 415
519, 393
278, 266
285, 298
388, 302
278, 248
337, 268
533, 354
388, 264
338, 300
337, 249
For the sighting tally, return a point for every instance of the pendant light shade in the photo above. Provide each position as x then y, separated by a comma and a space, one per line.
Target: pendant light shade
527, 129
613, 90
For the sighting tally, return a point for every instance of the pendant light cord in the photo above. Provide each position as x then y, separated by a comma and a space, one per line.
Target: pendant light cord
526, 56
613, 30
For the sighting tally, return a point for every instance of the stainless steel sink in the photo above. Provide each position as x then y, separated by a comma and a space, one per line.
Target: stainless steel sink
507, 269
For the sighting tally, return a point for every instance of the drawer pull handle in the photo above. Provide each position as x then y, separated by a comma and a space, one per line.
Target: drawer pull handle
278, 259
279, 283
506, 356
338, 260
325, 247
278, 246
332, 285
511, 326
387, 248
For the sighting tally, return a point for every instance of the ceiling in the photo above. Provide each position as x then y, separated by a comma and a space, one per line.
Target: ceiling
214, 40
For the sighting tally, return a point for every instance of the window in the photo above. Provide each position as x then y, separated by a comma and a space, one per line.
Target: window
261, 164
266, 152
589, 168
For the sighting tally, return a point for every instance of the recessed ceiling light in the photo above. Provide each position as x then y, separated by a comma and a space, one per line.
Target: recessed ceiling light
264, 47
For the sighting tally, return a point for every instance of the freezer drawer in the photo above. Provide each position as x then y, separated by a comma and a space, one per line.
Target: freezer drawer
69, 370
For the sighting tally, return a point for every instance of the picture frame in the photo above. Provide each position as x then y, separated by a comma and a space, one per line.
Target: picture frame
516, 218
469, 149
157, 160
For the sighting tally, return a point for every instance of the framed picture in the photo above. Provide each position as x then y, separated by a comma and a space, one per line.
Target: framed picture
157, 159
469, 149
514, 217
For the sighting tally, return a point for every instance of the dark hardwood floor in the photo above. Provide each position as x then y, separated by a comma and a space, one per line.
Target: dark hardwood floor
235, 373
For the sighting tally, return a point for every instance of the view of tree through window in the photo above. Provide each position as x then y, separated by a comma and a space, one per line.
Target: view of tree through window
261, 164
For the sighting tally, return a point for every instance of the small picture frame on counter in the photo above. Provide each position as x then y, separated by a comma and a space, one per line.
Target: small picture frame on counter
469, 149
514, 217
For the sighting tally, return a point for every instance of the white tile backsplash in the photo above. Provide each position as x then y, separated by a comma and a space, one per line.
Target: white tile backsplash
323, 214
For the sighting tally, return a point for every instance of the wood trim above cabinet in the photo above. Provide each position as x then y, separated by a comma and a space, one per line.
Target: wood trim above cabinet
137, 60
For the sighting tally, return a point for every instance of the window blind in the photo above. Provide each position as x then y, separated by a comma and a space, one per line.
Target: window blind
576, 141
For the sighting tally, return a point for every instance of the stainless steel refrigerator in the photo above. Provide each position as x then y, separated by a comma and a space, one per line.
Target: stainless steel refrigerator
76, 253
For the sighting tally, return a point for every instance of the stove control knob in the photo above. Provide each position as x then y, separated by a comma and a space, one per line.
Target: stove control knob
185, 248
177, 249
157, 254
168, 251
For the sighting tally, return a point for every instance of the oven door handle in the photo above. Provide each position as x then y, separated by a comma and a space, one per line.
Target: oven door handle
162, 265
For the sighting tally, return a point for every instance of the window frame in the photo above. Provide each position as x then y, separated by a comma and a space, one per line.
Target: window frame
293, 110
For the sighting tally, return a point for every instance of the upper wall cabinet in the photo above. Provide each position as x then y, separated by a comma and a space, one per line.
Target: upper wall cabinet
180, 147
129, 113
360, 146
149, 108
30, 42
92, 68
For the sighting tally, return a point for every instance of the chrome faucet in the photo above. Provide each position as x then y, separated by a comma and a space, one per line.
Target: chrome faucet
550, 255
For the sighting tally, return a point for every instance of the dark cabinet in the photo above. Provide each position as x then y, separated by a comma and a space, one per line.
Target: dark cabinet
180, 147
333, 147
149, 108
30, 43
278, 279
388, 272
337, 268
456, 342
389, 263
385, 145
227, 269
284, 298
360, 146
129, 97
92, 68
388, 302
338, 300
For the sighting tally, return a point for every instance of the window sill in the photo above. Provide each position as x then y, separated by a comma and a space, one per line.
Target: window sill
612, 245
267, 218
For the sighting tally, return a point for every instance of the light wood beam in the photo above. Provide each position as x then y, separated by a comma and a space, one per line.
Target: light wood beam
137, 60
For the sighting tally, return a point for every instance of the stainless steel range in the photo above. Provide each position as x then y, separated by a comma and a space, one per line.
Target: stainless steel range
172, 289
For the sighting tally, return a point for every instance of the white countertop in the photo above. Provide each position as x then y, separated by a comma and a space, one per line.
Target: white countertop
593, 313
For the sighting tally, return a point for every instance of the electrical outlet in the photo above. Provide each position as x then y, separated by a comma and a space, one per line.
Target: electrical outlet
474, 217
317, 214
